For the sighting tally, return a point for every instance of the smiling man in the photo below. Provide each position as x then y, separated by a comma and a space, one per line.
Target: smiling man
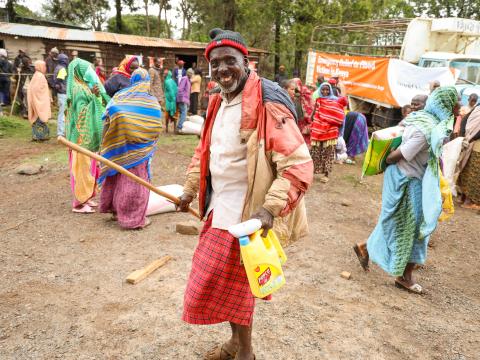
251, 162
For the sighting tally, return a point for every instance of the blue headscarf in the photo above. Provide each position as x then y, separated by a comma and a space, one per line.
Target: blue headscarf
134, 144
139, 75
330, 96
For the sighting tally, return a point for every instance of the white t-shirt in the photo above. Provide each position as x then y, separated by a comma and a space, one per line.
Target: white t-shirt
228, 166
415, 150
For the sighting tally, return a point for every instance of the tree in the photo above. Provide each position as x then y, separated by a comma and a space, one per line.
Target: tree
163, 6
147, 18
448, 8
135, 24
229, 10
10, 6
23, 11
188, 12
118, 16
118, 13
78, 11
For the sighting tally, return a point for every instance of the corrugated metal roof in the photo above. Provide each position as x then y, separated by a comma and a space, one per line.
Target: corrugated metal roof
55, 33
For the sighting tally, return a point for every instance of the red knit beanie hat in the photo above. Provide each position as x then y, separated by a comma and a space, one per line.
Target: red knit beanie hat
225, 38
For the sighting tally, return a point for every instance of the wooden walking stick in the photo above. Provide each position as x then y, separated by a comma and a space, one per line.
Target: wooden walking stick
16, 93
124, 171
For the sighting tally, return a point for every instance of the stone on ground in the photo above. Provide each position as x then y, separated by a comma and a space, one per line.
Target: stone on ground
29, 169
188, 228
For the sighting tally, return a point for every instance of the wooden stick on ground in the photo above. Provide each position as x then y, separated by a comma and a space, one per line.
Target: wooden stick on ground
125, 172
138, 275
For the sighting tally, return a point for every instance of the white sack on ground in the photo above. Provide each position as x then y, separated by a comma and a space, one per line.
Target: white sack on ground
158, 204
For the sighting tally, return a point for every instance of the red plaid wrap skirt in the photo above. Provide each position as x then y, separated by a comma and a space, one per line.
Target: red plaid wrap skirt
218, 289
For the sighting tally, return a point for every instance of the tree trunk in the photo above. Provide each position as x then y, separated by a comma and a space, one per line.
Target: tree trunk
278, 21
147, 17
183, 26
167, 25
159, 27
229, 14
11, 11
118, 16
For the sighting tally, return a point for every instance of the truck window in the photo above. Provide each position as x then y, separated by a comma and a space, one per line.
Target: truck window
469, 69
431, 63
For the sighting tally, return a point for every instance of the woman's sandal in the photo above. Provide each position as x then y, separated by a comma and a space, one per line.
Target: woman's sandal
470, 206
415, 288
363, 259
220, 352
85, 209
92, 203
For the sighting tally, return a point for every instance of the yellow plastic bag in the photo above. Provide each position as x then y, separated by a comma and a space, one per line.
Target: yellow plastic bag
447, 200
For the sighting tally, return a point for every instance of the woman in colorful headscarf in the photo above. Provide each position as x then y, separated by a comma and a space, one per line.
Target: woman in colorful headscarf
132, 127
411, 197
306, 102
38, 99
355, 134
328, 117
120, 78
86, 101
171, 90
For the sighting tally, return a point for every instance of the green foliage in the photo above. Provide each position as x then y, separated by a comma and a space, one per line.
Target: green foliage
80, 12
468, 9
135, 24
256, 21
24, 11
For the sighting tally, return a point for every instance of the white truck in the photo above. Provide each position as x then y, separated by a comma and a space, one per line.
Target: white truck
426, 42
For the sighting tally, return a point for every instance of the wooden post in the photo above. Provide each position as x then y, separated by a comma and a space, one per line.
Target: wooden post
16, 93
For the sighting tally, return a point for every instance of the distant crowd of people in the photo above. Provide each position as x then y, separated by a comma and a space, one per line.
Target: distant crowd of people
177, 90
329, 129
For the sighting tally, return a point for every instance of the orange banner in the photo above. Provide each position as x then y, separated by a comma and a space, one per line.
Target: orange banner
363, 76
389, 82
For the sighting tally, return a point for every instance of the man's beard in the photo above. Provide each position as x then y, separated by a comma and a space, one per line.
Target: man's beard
234, 87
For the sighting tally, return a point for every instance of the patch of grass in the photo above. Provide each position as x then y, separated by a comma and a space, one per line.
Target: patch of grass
19, 128
13, 126
182, 144
56, 156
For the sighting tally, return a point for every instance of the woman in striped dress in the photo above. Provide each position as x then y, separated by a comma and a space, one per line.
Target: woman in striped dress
132, 127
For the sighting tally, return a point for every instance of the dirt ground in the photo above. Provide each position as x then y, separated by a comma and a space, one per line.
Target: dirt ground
64, 295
